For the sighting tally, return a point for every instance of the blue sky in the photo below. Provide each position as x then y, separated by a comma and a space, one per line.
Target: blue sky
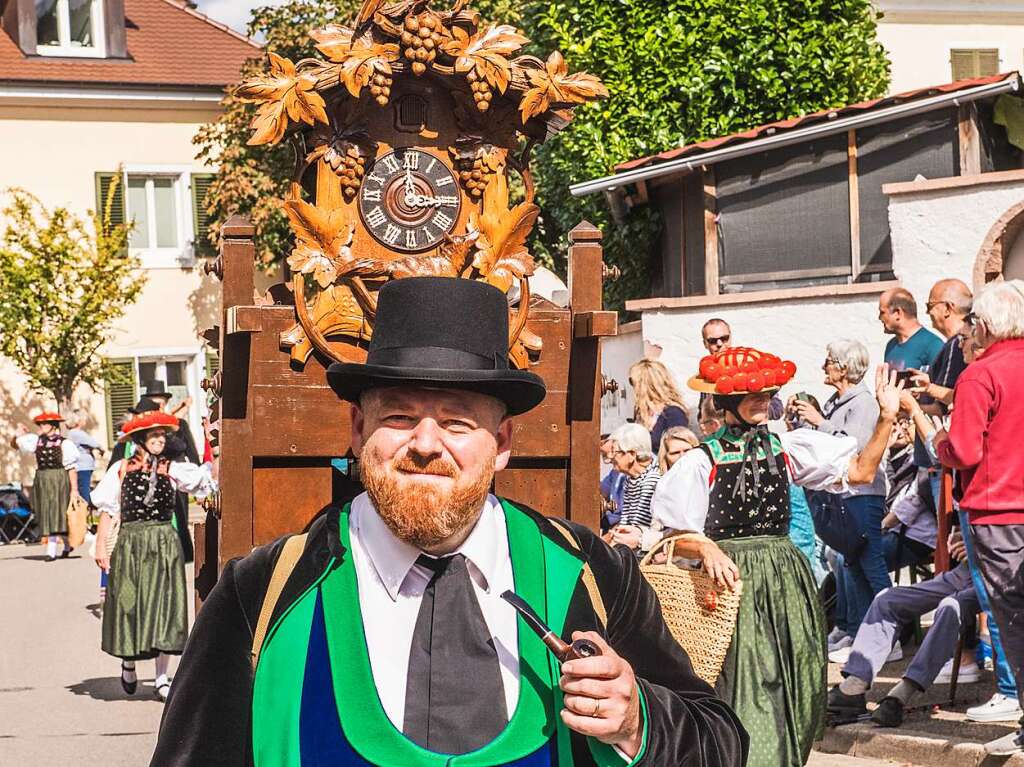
234, 13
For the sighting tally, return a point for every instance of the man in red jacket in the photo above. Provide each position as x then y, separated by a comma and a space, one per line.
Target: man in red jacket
984, 444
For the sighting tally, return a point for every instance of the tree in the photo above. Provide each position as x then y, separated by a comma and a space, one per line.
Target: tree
253, 180
678, 71
681, 71
64, 283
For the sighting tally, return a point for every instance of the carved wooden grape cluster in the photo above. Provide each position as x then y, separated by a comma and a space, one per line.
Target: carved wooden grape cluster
422, 37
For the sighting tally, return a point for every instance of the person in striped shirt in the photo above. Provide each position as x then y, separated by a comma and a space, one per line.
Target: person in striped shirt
632, 455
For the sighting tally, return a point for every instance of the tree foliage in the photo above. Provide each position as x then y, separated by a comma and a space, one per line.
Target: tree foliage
64, 283
678, 71
681, 71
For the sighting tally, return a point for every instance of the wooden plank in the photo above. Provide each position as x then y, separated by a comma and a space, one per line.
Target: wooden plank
585, 295
541, 488
595, 324
812, 293
970, 140
309, 490
710, 233
853, 187
243, 319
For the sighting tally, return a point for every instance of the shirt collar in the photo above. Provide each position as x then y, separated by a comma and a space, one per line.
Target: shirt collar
393, 558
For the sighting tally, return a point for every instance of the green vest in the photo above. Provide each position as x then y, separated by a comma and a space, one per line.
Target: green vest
545, 576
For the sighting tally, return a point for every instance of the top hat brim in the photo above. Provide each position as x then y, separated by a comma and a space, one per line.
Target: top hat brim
519, 390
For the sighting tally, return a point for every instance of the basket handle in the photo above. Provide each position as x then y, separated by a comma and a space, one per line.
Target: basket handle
670, 542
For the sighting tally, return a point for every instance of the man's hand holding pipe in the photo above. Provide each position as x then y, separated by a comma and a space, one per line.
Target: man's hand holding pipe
601, 697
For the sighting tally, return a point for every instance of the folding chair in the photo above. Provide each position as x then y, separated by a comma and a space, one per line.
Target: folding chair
16, 516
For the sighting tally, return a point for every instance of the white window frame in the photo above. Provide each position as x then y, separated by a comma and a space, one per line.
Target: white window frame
98, 48
194, 358
183, 256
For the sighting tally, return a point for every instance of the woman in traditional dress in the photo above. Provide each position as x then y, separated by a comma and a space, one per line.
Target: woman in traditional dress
730, 498
56, 481
145, 611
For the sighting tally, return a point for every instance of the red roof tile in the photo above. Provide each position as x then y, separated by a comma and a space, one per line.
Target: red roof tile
168, 45
808, 119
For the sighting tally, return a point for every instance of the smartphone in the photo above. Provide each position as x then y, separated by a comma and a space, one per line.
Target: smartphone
803, 396
904, 375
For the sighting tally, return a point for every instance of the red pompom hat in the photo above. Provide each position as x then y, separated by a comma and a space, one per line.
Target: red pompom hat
49, 417
742, 370
151, 420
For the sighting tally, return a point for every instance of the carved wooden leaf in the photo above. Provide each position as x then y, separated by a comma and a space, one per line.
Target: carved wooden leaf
502, 256
322, 240
554, 84
367, 9
359, 56
487, 52
286, 95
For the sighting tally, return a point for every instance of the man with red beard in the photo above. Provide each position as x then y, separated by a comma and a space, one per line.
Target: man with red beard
381, 638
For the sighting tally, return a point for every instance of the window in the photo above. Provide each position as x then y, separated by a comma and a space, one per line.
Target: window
973, 62
69, 27
157, 205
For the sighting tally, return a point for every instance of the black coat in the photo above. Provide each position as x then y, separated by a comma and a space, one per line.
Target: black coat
207, 719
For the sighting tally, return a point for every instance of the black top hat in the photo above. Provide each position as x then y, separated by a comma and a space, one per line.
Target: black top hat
440, 332
156, 388
143, 406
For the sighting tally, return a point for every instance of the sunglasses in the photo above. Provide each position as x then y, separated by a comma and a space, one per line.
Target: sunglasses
712, 341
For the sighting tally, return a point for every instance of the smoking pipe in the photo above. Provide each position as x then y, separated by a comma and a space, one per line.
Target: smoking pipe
581, 648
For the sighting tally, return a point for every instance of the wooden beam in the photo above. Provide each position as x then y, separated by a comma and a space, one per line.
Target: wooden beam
710, 233
970, 140
854, 190
595, 324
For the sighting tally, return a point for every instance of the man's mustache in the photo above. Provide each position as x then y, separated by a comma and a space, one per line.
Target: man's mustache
436, 466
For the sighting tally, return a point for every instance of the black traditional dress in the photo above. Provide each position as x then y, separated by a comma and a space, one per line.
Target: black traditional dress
735, 490
51, 488
145, 611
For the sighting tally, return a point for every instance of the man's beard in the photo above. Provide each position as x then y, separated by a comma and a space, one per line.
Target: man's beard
421, 513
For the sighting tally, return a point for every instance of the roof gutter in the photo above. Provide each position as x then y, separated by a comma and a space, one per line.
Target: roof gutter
833, 126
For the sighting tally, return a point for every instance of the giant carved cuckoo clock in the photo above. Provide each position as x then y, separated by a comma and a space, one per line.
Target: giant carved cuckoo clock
411, 131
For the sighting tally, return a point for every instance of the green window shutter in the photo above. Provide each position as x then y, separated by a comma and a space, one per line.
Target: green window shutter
212, 363
974, 62
201, 218
119, 386
115, 198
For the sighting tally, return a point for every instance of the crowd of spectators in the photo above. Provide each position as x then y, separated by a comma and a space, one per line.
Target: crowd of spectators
961, 407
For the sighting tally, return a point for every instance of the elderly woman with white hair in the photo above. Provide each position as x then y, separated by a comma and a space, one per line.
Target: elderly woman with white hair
853, 410
983, 444
632, 455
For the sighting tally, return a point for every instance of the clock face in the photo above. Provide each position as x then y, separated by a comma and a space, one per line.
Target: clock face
409, 200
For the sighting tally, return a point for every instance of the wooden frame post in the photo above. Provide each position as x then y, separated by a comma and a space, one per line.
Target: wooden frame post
710, 232
853, 187
585, 295
970, 140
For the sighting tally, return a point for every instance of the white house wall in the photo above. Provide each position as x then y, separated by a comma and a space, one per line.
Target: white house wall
618, 353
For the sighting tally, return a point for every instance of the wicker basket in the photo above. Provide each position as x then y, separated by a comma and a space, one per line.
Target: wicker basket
700, 614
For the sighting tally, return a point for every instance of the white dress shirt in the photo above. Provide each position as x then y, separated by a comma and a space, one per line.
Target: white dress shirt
816, 461
391, 587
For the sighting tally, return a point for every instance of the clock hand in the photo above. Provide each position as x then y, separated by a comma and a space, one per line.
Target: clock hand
410, 190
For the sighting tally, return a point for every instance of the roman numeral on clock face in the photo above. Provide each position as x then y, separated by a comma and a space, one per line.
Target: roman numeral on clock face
376, 217
444, 181
411, 160
390, 164
371, 195
441, 221
448, 200
430, 165
375, 177
410, 238
391, 234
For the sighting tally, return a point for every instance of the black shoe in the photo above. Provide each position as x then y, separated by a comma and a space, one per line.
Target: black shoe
129, 687
889, 712
844, 705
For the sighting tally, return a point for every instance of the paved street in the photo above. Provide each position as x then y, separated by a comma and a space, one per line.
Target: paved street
60, 698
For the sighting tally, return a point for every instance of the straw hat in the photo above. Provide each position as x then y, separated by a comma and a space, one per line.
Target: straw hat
742, 370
